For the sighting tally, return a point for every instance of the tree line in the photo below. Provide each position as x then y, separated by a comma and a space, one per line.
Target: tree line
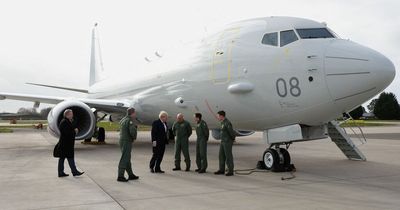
32, 113
385, 107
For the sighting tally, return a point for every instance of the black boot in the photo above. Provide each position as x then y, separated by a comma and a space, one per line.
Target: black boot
159, 171
63, 175
229, 174
122, 179
78, 173
219, 173
133, 177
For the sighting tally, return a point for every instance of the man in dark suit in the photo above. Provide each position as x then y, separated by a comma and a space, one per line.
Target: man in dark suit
67, 143
159, 137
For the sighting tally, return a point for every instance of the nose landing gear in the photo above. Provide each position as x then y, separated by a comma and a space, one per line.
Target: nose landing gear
277, 159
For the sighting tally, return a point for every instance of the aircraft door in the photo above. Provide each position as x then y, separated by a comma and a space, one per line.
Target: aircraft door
221, 67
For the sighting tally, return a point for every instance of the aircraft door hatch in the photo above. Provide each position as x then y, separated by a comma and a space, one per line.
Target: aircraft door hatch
221, 67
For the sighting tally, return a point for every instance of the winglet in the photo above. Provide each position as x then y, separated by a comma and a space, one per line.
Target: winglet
96, 61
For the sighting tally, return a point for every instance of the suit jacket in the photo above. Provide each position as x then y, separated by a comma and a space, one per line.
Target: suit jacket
158, 132
67, 138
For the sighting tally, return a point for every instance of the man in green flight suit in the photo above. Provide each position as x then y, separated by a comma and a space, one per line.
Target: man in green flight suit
202, 133
225, 149
182, 131
128, 134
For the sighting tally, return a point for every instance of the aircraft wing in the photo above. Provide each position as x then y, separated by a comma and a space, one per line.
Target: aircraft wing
100, 104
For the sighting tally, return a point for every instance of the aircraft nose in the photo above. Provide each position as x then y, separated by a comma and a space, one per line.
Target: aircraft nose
384, 70
355, 73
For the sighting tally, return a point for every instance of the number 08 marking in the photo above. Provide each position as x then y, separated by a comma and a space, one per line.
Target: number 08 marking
282, 89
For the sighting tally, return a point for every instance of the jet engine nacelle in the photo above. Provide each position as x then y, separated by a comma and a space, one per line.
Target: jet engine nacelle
216, 133
83, 117
244, 133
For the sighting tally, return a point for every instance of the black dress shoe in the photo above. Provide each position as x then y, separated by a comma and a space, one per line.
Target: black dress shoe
187, 169
159, 171
229, 174
78, 173
197, 170
176, 169
63, 175
134, 177
151, 170
202, 171
219, 173
122, 179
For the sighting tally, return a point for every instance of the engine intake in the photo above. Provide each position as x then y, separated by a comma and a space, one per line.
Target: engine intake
83, 117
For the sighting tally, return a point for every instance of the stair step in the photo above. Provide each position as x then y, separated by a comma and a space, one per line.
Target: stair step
344, 142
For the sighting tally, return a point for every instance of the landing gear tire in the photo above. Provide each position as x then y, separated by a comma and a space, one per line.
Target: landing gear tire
277, 161
284, 162
270, 159
101, 134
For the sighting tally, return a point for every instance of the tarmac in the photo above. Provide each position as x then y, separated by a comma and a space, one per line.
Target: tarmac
324, 179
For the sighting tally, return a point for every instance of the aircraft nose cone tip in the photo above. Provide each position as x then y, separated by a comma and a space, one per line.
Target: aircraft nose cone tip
386, 70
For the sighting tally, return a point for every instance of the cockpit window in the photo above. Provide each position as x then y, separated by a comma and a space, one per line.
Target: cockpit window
288, 37
270, 39
314, 33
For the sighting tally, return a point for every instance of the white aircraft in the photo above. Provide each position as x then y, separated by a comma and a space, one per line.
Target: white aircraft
288, 77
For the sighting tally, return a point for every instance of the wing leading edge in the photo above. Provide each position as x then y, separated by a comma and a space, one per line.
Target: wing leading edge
99, 104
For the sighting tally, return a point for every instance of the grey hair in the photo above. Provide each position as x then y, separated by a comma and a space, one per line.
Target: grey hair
130, 111
162, 113
66, 112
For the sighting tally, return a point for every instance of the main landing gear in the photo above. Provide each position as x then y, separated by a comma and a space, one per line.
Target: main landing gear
99, 132
277, 159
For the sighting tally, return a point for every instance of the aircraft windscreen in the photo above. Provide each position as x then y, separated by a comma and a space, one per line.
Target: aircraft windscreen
314, 33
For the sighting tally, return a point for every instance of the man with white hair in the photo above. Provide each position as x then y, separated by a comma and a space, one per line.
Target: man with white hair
66, 143
159, 137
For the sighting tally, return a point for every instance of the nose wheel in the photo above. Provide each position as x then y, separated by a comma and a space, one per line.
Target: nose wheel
276, 159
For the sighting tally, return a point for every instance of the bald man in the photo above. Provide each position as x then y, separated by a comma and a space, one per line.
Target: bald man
182, 131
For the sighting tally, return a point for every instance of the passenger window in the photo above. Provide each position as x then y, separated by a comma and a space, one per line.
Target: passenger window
270, 39
288, 37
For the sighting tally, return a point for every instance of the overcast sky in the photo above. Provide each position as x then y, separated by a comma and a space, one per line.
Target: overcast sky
48, 41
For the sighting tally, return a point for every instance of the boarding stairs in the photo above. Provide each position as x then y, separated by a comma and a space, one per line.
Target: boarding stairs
344, 142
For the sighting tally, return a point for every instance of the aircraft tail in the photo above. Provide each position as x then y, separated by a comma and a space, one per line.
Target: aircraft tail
96, 62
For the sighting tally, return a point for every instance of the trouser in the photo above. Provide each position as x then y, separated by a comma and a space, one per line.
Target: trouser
225, 156
71, 163
156, 159
201, 154
182, 145
125, 161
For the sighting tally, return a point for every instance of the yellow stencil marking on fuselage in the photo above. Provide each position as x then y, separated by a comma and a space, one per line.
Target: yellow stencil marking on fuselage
223, 54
